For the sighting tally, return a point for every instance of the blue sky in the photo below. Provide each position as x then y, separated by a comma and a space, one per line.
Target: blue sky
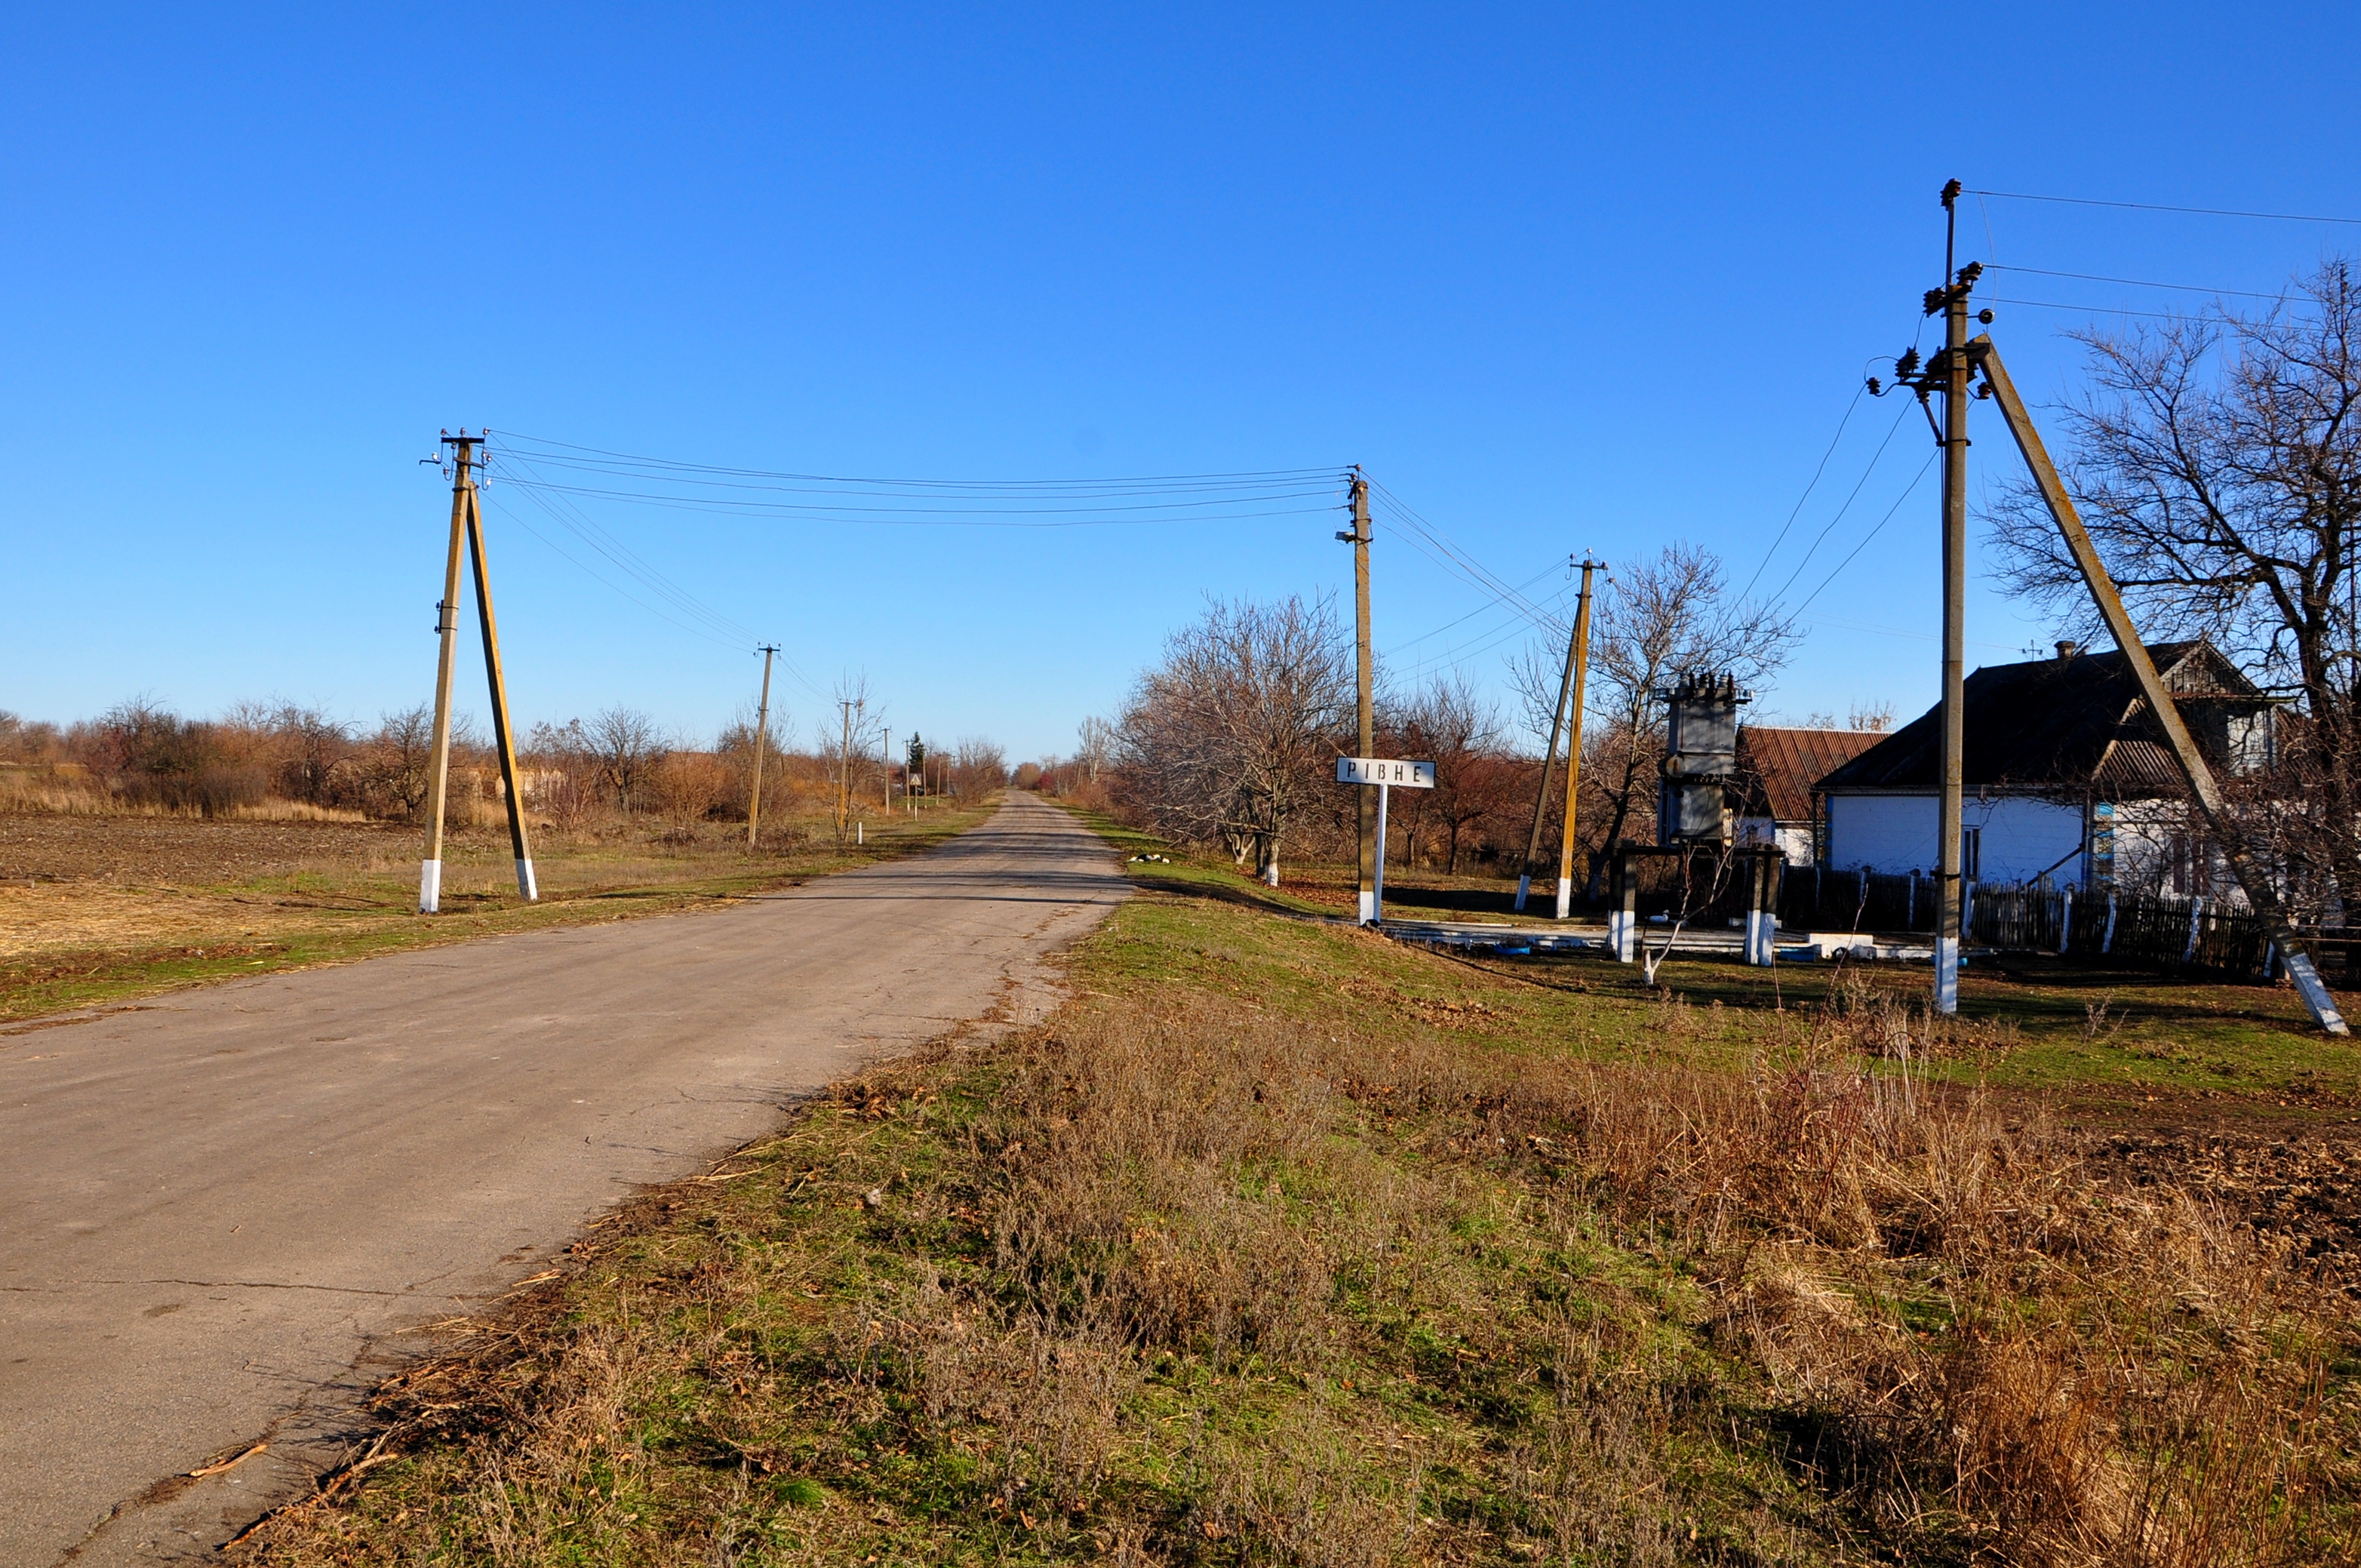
1561, 278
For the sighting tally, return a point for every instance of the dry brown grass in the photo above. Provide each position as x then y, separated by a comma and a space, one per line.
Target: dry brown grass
1185, 1278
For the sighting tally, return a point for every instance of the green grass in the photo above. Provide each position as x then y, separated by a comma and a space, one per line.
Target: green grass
2099, 1036
1284, 1241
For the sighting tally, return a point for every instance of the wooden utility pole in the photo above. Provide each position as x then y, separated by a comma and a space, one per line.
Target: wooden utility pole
1549, 762
446, 627
2254, 880
503, 736
468, 533
1360, 540
1952, 301
1574, 743
761, 733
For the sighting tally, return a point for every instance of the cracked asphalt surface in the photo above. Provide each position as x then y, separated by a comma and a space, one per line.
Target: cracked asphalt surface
223, 1211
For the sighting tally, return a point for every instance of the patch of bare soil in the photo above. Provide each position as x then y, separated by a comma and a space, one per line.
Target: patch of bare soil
187, 852
2296, 1183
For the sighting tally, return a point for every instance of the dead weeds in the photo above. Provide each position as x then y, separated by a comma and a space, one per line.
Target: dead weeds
1178, 1279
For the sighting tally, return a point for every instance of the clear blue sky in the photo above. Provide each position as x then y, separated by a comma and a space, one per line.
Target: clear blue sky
1561, 279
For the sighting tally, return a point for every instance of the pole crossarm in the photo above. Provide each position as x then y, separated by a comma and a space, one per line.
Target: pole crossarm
2253, 878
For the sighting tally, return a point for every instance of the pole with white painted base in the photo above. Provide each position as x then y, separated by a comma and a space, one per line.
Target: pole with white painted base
1377, 880
446, 627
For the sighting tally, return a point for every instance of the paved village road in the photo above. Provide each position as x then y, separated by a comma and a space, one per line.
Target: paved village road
215, 1211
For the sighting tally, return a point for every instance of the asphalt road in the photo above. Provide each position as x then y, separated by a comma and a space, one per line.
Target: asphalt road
218, 1213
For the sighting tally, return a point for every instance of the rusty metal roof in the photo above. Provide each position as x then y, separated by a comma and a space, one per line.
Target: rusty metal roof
1777, 768
2074, 725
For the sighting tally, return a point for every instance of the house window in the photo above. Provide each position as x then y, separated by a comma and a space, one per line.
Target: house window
1971, 852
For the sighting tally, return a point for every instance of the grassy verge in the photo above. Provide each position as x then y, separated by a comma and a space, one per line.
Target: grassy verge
91, 943
1284, 1243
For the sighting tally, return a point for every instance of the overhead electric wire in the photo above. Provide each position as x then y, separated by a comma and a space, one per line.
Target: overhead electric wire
1908, 492
1330, 470
1858, 393
1439, 547
2159, 207
1480, 609
2087, 309
2133, 282
1821, 537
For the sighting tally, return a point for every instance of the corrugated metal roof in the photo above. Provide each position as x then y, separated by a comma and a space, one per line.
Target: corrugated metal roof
2066, 724
1777, 767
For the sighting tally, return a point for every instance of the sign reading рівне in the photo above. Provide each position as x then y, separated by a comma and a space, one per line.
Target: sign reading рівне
1384, 771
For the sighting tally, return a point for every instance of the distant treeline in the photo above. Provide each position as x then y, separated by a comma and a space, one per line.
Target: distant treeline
287, 760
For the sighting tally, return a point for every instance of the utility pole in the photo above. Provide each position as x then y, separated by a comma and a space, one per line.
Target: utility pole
1952, 301
1574, 743
446, 627
886, 756
761, 733
467, 530
1549, 762
503, 736
1358, 538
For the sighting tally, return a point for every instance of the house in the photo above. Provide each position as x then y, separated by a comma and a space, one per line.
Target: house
1774, 796
2067, 774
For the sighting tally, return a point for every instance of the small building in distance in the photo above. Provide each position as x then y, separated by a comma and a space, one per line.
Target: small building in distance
2066, 772
1777, 800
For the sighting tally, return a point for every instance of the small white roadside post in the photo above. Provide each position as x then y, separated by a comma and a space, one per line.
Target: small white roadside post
1385, 773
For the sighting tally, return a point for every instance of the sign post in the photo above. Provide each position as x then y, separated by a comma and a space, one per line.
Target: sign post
1385, 773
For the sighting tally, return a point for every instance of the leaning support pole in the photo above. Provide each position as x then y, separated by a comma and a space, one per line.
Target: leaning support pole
1549, 762
504, 736
2252, 878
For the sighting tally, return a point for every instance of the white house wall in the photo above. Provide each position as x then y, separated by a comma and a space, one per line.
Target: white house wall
2021, 838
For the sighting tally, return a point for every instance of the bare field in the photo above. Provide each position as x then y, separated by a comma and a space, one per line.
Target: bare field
97, 908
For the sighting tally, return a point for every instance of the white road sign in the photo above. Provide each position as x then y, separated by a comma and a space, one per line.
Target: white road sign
1384, 771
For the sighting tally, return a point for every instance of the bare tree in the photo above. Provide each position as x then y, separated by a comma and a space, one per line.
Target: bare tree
628, 748
1659, 617
401, 755
1875, 715
2216, 460
1095, 744
1450, 725
979, 766
1229, 738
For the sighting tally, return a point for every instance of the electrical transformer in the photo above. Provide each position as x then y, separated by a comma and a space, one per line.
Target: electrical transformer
1700, 759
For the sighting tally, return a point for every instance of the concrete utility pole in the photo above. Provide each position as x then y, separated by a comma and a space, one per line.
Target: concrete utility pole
1574, 743
1952, 301
466, 530
761, 733
1549, 762
1358, 538
886, 757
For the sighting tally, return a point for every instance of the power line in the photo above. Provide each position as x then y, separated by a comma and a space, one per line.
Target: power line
1329, 471
1858, 393
1480, 609
1821, 537
1908, 491
2133, 283
2089, 310
2157, 208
